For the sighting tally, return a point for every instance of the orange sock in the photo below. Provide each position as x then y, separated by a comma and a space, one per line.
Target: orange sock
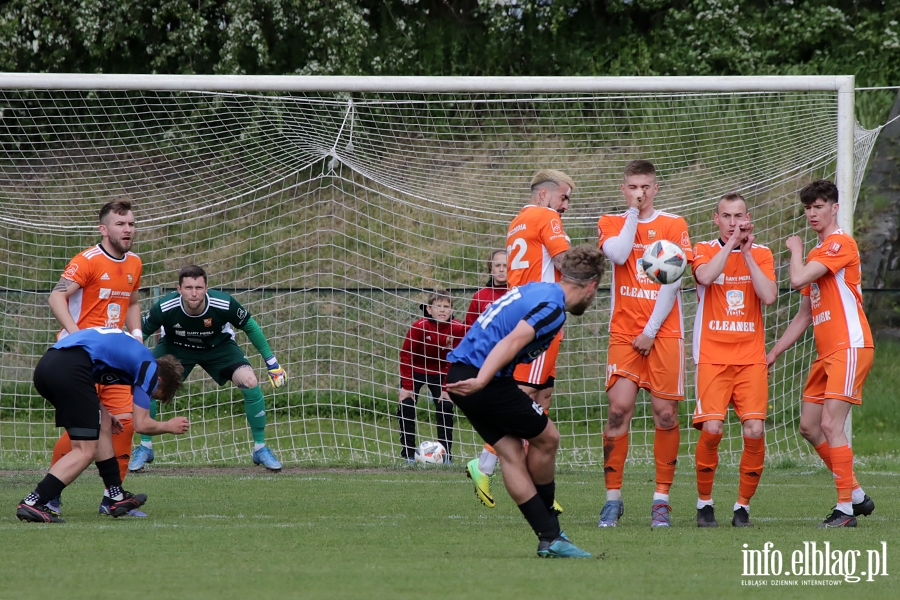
62, 447
490, 449
707, 462
842, 462
824, 453
752, 460
615, 451
665, 451
122, 446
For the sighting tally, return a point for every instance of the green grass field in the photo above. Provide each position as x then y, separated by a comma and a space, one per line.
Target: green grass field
417, 533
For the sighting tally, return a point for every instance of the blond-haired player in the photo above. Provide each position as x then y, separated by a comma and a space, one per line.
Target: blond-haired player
832, 303
646, 340
535, 246
735, 277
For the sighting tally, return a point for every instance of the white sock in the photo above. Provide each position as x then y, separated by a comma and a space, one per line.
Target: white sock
613, 495
702, 503
147, 444
858, 495
258, 447
657, 497
845, 507
738, 506
487, 462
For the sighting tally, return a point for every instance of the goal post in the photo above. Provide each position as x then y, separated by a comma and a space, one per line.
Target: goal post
328, 205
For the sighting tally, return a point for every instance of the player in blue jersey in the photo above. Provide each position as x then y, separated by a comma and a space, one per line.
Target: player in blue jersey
66, 376
515, 329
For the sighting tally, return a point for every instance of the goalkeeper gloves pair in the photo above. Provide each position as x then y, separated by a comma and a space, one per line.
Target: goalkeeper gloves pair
277, 376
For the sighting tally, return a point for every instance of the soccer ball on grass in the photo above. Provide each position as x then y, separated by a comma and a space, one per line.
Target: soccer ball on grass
431, 453
664, 262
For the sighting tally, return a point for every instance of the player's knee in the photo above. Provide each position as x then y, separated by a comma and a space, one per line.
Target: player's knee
616, 418
713, 427
809, 431
753, 429
831, 427
666, 420
245, 378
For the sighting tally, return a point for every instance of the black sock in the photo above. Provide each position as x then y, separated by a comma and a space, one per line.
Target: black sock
544, 524
547, 492
49, 488
109, 473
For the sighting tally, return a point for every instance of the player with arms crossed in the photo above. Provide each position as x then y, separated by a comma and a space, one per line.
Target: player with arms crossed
516, 329
734, 278
67, 376
832, 302
646, 340
535, 245
198, 329
99, 288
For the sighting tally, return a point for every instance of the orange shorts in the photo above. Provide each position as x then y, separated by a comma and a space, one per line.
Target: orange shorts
661, 372
839, 376
116, 398
746, 387
541, 369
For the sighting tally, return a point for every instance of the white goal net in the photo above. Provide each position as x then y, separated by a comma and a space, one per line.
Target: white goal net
329, 214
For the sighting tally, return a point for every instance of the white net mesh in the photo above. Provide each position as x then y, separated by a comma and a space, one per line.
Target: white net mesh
328, 215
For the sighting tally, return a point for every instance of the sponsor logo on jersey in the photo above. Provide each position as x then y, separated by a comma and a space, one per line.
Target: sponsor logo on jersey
130, 279
815, 295
177, 326
207, 322
732, 326
833, 248
516, 229
821, 318
104, 277
735, 301
181, 332
104, 293
720, 280
556, 226
70, 271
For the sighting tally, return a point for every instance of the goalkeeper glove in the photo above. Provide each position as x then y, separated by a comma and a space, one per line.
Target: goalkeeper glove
277, 376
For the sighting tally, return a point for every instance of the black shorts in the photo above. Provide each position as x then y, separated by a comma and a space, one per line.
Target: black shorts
499, 409
65, 378
539, 386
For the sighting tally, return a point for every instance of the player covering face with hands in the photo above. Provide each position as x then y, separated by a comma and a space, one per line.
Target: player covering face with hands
515, 329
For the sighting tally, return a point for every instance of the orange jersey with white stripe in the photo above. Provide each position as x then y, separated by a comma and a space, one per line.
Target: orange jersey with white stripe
836, 297
633, 294
534, 237
728, 327
106, 287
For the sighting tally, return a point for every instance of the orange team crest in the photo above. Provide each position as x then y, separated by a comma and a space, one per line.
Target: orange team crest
833, 248
70, 272
207, 322
685, 240
130, 279
651, 234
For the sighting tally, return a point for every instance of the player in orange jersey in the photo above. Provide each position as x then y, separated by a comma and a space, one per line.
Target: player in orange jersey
646, 340
535, 246
830, 282
99, 288
735, 277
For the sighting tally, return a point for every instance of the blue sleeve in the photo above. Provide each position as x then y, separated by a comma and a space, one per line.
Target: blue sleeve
545, 317
141, 398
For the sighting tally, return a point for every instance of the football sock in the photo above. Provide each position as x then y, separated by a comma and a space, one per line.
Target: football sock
114, 493
547, 492
665, 451
255, 406
258, 447
146, 440
109, 473
488, 460
122, 446
542, 521
707, 462
858, 495
701, 503
62, 447
615, 451
738, 505
614, 494
752, 460
845, 507
842, 464
659, 497
50, 487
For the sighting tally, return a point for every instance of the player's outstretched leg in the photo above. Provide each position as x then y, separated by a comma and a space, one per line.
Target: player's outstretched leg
482, 483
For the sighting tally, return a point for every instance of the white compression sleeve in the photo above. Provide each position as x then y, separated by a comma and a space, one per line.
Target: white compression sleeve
665, 300
618, 248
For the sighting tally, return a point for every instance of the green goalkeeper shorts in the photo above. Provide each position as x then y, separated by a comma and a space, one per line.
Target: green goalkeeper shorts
220, 362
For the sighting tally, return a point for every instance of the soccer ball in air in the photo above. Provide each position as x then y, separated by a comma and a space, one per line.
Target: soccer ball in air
664, 262
431, 453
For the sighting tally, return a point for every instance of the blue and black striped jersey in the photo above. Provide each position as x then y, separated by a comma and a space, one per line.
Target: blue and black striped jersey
541, 305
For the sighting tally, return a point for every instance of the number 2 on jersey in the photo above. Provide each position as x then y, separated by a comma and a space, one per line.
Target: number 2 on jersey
516, 251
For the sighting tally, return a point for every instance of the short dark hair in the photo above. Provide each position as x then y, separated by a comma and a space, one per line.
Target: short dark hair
439, 294
169, 371
582, 264
640, 167
122, 206
820, 189
731, 197
192, 271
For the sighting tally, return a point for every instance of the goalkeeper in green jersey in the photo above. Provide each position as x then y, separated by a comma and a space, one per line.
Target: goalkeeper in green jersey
197, 326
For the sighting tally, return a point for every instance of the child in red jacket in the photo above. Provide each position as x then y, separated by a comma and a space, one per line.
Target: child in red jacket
423, 363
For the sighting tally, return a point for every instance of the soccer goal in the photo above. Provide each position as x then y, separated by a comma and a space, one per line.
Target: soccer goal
328, 205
